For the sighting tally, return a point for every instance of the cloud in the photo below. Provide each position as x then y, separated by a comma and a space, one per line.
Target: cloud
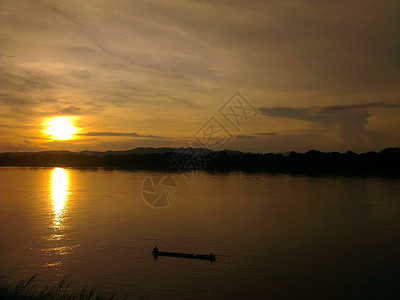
186, 102
338, 108
288, 112
254, 135
120, 134
245, 136
350, 120
266, 133
72, 110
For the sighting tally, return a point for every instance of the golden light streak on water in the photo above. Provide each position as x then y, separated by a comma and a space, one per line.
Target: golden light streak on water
59, 184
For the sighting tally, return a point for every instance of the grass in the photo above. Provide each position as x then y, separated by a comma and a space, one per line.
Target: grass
25, 290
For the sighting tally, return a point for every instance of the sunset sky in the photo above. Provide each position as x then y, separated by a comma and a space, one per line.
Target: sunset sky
320, 75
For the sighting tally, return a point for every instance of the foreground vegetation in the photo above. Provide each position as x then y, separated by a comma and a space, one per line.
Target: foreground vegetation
25, 290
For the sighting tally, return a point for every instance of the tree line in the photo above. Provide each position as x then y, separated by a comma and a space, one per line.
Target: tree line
385, 162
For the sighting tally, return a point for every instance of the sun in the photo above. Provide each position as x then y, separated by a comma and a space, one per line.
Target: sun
60, 128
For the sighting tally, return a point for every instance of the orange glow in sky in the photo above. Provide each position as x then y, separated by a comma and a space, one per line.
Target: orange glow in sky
146, 76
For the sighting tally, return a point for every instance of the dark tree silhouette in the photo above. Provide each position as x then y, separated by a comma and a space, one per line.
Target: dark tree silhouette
386, 162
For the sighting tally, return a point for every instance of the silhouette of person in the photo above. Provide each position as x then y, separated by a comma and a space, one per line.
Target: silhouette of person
155, 250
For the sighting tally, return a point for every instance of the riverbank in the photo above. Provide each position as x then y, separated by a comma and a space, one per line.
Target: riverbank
26, 290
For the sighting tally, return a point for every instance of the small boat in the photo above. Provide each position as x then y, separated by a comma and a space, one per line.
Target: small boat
210, 256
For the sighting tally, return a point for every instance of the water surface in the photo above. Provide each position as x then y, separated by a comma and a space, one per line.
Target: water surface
287, 236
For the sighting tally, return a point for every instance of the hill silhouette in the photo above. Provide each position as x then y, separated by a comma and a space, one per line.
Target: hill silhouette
385, 162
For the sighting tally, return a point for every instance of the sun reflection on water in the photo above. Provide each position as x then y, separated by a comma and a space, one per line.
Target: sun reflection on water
59, 192
59, 186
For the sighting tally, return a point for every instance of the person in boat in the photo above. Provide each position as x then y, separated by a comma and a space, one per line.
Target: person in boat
155, 250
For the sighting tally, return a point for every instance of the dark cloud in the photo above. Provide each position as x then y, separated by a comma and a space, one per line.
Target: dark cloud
254, 135
245, 136
339, 108
266, 133
71, 110
350, 120
120, 134
288, 112
64, 108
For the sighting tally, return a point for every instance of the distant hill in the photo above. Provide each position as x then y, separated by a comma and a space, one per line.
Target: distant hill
385, 162
139, 151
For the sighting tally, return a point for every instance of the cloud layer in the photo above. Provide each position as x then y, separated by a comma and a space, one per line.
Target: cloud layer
119, 134
162, 68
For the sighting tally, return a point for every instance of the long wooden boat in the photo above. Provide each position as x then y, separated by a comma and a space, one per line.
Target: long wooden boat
184, 255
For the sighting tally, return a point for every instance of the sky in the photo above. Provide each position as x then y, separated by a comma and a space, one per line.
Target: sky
259, 76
